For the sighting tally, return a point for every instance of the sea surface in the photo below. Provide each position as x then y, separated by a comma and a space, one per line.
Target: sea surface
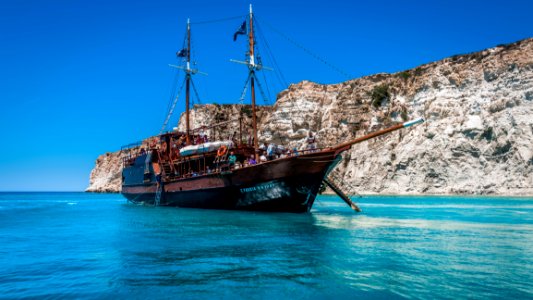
98, 246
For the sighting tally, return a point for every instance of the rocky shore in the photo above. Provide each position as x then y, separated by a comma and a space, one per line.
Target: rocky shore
477, 139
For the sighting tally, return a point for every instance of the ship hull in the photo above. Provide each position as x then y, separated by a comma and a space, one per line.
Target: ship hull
283, 185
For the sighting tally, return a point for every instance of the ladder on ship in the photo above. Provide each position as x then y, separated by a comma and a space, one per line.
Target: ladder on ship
167, 170
221, 162
332, 182
158, 194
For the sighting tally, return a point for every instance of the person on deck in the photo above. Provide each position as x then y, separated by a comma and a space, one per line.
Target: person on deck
262, 158
289, 153
202, 136
251, 160
311, 142
199, 140
181, 142
270, 151
231, 160
174, 152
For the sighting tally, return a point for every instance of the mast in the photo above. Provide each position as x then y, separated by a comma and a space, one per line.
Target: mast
252, 67
185, 54
252, 87
188, 83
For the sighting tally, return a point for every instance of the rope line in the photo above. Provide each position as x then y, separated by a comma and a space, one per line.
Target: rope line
312, 54
243, 94
265, 99
173, 89
277, 69
195, 92
171, 110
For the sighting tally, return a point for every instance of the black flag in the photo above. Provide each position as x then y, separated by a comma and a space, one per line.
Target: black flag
182, 53
240, 30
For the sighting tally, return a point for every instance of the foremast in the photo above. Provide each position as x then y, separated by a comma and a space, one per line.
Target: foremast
185, 53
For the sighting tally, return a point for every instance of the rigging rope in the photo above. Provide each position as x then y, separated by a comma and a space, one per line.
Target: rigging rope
277, 69
195, 92
260, 62
261, 89
171, 110
267, 101
243, 94
173, 90
312, 54
183, 46
293, 106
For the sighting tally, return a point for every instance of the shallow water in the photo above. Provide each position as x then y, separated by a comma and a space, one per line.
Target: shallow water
77, 245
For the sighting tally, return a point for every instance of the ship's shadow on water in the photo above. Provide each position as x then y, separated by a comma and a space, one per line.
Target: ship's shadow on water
395, 249
220, 252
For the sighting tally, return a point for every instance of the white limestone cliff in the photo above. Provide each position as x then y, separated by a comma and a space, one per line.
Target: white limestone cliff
477, 138
106, 175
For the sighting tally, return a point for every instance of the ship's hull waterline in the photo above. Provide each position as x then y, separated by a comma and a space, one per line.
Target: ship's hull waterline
284, 185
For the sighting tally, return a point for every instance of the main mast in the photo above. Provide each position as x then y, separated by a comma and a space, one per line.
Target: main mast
251, 65
188, 83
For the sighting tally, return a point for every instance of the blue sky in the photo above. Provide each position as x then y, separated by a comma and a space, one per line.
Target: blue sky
80, 78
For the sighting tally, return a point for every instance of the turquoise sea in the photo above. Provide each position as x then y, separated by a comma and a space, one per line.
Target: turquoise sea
79, 245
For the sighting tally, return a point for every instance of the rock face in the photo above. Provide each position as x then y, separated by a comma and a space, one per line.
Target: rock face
477, 139
227, 116
106, 175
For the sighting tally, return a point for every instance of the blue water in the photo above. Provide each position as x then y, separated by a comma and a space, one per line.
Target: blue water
76, 245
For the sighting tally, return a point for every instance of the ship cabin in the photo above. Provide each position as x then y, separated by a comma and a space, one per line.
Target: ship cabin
172, 156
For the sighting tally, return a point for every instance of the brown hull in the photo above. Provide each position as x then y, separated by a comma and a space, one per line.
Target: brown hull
288, 184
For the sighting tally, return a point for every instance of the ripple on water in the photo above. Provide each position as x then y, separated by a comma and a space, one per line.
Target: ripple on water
76, 245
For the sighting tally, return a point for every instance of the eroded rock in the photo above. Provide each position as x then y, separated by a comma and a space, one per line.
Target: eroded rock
477, 138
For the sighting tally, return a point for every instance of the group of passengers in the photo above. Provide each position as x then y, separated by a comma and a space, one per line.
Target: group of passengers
267, 153
270, 153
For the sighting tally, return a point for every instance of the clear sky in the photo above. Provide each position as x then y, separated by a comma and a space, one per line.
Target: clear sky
80, 78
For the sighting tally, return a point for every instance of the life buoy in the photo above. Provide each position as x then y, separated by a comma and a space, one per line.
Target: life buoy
222, 150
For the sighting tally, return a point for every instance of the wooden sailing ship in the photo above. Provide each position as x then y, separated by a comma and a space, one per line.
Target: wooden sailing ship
184, 170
